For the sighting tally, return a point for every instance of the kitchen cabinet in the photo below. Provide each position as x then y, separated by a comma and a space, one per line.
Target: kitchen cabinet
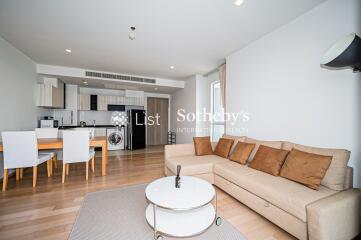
100, 132
84, 102
71, 101
104, 101
120, 100
50, 95
58, 95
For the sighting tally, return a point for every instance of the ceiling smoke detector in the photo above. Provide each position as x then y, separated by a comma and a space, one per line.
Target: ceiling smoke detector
131, 34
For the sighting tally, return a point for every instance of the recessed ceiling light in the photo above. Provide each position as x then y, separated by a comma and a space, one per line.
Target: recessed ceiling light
238, 2
85, 82
171, 67
68, 50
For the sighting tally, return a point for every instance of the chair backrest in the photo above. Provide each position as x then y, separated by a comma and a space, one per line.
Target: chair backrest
90, 130
20, 149
75, 146
46, 132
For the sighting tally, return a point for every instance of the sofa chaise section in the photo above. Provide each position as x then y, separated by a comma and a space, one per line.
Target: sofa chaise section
329, 213
199, 166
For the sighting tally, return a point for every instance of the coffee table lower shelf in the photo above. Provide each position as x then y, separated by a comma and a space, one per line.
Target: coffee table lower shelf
180, 224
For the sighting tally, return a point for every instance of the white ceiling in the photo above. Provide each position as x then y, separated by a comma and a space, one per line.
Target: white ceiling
193, 35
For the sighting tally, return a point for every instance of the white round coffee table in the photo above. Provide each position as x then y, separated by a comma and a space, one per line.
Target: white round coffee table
180, 212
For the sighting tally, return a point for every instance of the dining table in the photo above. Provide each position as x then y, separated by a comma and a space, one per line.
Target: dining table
57, 143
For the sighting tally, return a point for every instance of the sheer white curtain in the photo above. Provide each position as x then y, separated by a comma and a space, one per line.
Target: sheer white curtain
222, 81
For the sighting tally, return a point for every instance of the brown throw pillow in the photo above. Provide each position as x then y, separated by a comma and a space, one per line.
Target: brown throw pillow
306, 168
202, 146
223, 147
269, 160
241, 152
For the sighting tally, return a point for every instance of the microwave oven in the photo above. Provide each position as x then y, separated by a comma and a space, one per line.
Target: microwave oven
49, 123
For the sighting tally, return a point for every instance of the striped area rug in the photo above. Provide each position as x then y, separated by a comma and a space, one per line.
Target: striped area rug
119, 214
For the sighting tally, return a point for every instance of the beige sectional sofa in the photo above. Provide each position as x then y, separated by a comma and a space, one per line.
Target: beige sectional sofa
332, 212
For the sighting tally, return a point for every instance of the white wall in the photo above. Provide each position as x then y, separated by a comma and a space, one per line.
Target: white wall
203, 96
184, 99
17, 91
278, 79
194, 98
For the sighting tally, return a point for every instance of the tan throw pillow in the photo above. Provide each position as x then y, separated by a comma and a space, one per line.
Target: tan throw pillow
202, 146
223, 147
241, 152
336, 174
269, 160
306, 168
273, 144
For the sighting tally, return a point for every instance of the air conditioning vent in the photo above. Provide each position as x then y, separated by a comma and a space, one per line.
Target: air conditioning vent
93, 74
149, 80
119, 77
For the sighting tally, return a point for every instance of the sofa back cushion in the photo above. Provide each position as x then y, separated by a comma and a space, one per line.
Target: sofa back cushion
336, 173
223, 147
202, 146
269, 160
306, 168
273, 144
241, 152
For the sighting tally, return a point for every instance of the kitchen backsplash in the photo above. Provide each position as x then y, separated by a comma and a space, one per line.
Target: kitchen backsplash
100, 117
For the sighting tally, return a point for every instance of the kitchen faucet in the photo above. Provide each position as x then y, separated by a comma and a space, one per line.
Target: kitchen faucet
94, 123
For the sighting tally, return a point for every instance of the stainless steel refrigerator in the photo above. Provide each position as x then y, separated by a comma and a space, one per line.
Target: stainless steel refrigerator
136, 129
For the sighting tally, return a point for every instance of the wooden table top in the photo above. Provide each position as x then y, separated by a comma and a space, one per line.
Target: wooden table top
57, 143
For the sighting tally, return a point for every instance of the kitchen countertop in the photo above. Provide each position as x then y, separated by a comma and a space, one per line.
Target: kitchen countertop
88, 126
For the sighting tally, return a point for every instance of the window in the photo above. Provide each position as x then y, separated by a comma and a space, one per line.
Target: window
217, 122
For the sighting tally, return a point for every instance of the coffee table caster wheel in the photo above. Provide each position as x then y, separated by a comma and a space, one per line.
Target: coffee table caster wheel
159, 237
218, 221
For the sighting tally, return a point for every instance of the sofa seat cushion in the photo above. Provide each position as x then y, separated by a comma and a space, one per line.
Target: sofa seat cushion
289, 196
194, 165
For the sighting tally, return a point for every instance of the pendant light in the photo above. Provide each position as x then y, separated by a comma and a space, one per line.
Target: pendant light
131, 34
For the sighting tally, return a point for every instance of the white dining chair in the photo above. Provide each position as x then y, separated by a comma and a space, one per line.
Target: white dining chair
76, 148
21, 151
49, 133
90, 130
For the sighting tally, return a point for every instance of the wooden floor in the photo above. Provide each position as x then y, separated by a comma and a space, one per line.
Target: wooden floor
49, 210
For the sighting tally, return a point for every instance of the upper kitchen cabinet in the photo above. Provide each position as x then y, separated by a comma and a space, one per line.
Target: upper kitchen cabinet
102, 103
50, 93
84, 102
